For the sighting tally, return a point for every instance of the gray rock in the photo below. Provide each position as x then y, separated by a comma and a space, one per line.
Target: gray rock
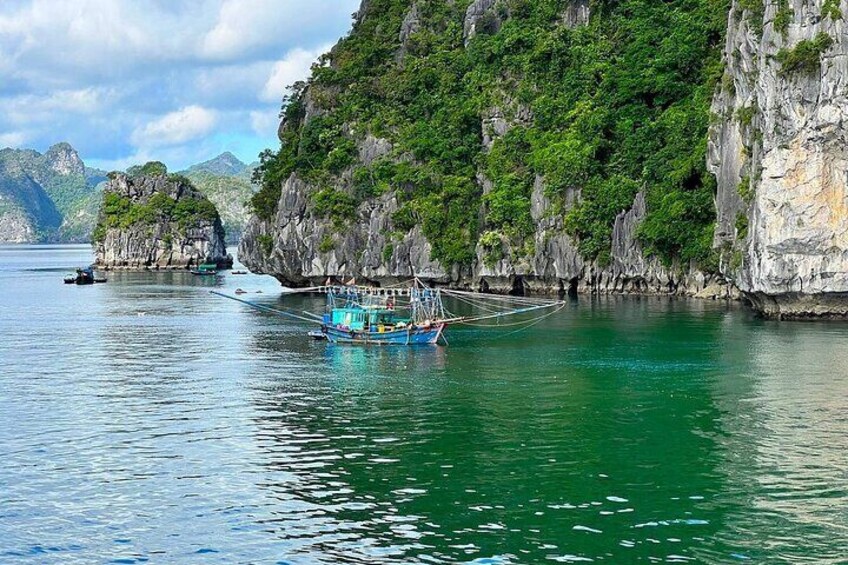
301, 249
481, 13
165, 243
794, 260
365, 250
411, 24
576, 14
16, 227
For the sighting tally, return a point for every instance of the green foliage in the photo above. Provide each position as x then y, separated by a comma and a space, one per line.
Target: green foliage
618, 106
266, 244
805, 57
727, 84
179, 179
755, 11
736, 260
275, 167
99, 233
783, 17
508, 201
746, 190
377, 179
66, 191
746, 114
742, 226
229, 194
405, 218
122, 212
589, 220
327, 244
149, 169
830, 9
334, 204
388, 252
492, 244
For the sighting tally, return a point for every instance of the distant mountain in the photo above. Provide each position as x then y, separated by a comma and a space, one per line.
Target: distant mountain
225, 180
225, 164
54, 197
46, 197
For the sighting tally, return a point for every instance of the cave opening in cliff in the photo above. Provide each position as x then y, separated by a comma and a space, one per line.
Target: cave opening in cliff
518, 287
572, 287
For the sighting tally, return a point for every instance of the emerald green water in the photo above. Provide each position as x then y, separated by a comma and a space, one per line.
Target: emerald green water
143, 420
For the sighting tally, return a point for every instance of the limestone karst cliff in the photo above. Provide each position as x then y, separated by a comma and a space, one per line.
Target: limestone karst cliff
780, 154
687, 147
47, 197
458, 142
226, 182
152, 220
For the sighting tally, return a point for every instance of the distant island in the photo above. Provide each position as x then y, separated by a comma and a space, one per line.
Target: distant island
54, 197
150, 219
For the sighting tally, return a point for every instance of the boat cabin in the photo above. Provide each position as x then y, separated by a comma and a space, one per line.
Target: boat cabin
363, 319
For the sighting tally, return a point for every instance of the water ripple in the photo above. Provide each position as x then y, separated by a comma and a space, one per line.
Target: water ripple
143, 421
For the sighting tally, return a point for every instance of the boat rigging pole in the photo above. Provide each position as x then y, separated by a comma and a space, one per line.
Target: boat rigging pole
266, 308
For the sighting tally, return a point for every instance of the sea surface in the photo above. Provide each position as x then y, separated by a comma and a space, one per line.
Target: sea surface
146, 420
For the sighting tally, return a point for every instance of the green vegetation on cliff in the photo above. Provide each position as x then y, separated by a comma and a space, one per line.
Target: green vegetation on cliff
122, 212
226, 182
610, 108
805, 57
54, 192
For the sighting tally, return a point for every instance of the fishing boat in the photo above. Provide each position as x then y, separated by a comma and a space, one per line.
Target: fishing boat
205, 269
84, 276
411, 315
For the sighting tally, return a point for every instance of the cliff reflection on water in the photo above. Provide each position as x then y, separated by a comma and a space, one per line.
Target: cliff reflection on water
146, 420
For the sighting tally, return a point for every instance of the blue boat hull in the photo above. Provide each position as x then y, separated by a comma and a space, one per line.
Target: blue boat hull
407, 336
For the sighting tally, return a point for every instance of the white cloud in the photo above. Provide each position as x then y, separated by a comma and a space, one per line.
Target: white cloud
36, 108
265, 124
106, 75
12, 139
293, 67
245, 25
93, 36
123, 163
174, 128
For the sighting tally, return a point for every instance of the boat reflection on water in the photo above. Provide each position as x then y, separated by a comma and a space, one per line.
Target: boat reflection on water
350, 361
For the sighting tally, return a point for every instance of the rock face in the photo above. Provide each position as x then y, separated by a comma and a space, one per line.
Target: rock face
226, 182
47, 197
779, 150
16, 227
301, 248
293, 249
225, 164
157, 222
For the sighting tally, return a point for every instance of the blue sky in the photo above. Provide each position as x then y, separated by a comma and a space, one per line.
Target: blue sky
180, 81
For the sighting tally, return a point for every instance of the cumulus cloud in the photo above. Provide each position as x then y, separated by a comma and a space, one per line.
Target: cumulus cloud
174, 128
294, 67
264, 124
243, 26
12, 139
126, 79
28, 109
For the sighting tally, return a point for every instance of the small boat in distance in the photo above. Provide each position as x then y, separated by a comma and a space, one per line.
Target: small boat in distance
205, 269
84, 276
414, 315
238, 272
